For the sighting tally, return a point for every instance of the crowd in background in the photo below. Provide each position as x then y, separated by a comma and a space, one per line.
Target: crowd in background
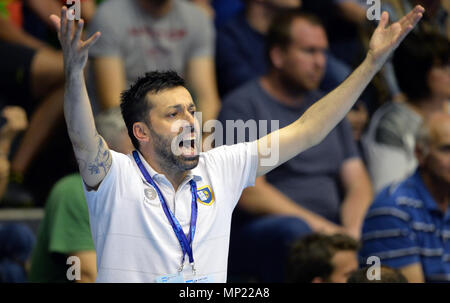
377, 185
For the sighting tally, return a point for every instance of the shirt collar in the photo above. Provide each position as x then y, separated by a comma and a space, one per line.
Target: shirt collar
157, 177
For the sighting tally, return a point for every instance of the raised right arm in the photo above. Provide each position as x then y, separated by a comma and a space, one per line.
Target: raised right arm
91, 151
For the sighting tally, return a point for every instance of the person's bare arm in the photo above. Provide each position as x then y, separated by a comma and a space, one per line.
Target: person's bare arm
88, 8
352, 12
91, 151
313, 126
88, 265
265, 199
45, 8
109, 80
16, 121
201, 77
12, 34
358, 195
413, 273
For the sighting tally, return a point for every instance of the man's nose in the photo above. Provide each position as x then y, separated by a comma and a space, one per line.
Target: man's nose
320, 60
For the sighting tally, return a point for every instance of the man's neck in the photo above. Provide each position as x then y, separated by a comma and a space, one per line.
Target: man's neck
280, 91
439, 190
174, 175
259, 17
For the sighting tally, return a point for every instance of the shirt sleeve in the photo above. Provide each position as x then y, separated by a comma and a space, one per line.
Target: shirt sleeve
70, 229
100, 201
387, 235
235, 165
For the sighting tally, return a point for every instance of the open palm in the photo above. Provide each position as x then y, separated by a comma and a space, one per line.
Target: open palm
386, 39
74, 49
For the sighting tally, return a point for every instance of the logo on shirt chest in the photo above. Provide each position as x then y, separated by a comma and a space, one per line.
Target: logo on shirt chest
205, 195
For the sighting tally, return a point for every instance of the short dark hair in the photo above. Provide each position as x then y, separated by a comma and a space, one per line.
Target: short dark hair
279, 33
413, 60
387, 275
311, 256
134, 103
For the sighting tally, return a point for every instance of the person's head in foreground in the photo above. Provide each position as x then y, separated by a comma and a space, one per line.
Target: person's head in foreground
386, 275
319, 258
433, 155
159, 113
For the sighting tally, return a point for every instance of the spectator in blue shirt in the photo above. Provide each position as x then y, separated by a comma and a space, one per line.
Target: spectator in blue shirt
408, 225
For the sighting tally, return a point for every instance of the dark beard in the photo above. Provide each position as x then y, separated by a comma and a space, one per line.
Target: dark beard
168, 160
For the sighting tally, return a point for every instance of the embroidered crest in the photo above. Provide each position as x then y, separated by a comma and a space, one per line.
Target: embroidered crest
205, 195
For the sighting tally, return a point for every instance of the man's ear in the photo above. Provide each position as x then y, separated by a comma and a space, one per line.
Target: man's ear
141, 132
276, 55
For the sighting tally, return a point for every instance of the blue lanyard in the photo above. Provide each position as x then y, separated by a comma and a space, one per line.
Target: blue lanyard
185, 242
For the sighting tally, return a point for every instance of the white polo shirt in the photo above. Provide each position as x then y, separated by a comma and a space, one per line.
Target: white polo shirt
133, 238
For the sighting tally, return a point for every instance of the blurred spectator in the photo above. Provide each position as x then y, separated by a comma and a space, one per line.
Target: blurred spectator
145, 35
318, 258
324, 189
226, 9
422, 66
65, 229
31, 76
387, 275
16, 243
408, 224
436, 20
13, 120
241, 43
205, 5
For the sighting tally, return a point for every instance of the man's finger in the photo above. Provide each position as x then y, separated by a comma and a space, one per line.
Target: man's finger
63, 22
70, 25
56, 22
78, 32
91, 41
412, 17
384, 19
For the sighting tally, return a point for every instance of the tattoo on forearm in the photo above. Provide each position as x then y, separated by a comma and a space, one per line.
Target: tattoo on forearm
102, 161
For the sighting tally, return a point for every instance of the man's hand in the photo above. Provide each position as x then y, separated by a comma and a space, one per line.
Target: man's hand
74, 49
386, 39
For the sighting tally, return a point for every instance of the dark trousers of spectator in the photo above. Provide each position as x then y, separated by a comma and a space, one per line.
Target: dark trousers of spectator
259, 247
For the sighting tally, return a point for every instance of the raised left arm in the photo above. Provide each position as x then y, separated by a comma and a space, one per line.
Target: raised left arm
312, 127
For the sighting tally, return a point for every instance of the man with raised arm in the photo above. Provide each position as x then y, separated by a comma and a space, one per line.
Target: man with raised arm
163, 213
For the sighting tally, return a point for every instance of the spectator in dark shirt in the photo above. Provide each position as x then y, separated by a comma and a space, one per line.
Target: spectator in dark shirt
241, 43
